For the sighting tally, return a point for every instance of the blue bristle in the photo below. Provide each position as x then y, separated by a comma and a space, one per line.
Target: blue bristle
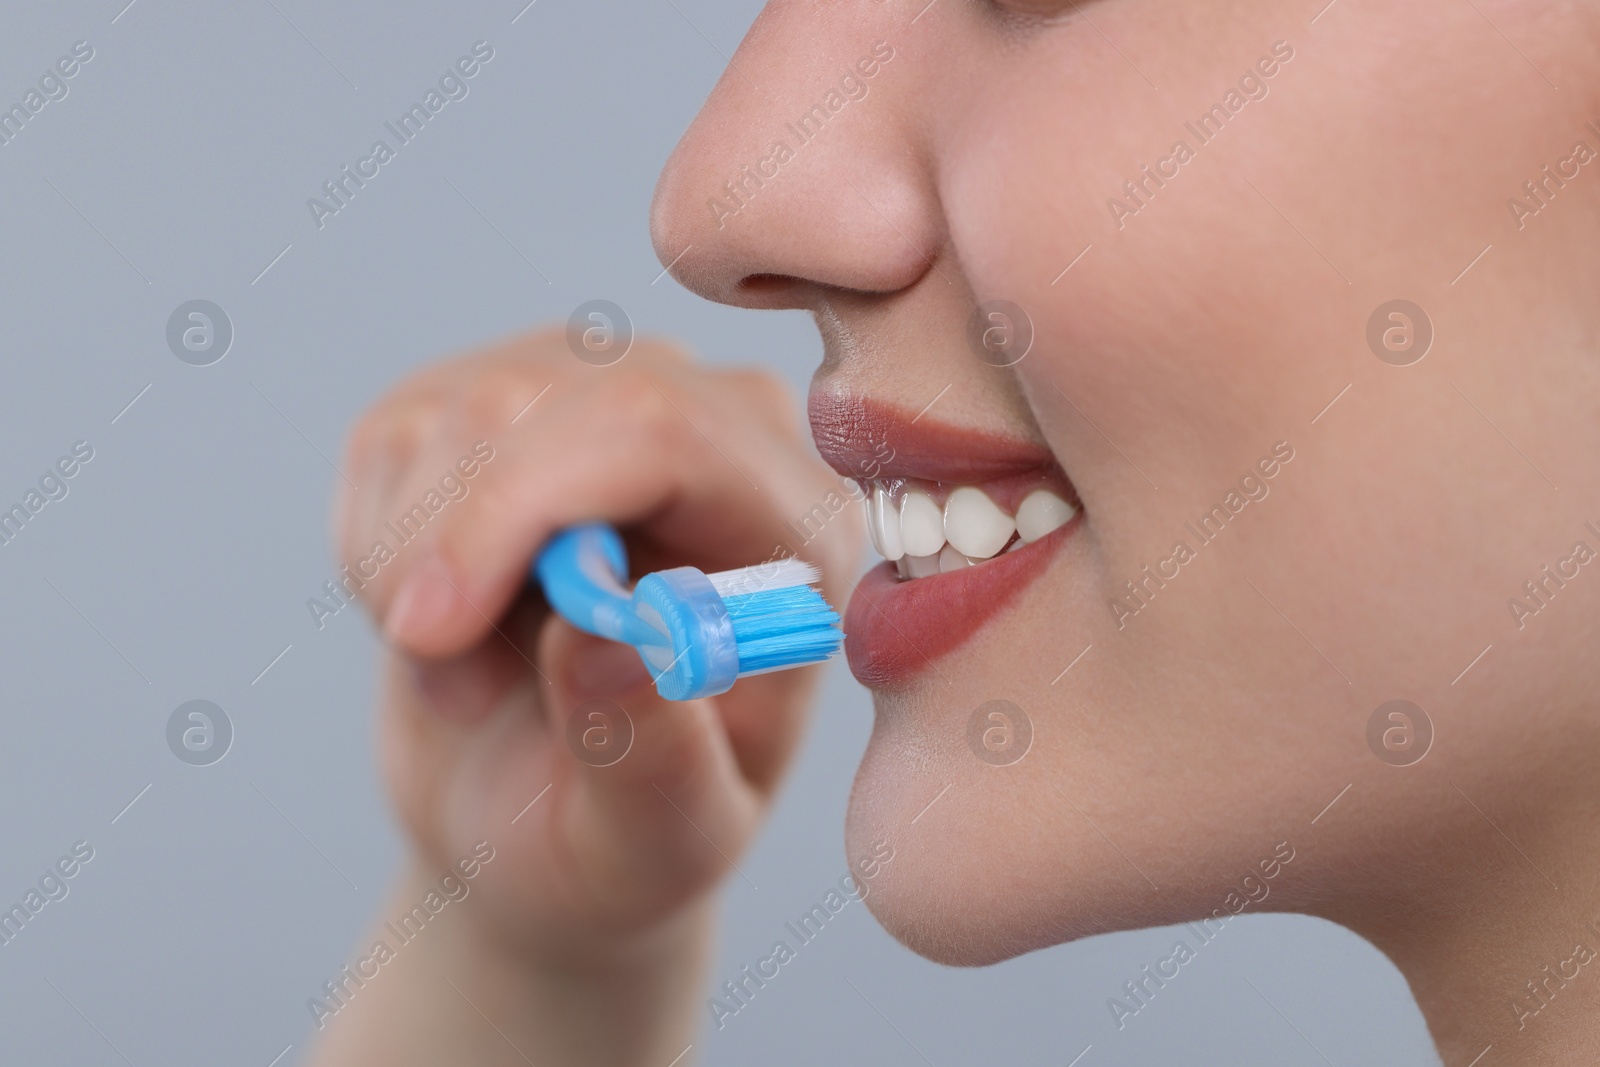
783, 628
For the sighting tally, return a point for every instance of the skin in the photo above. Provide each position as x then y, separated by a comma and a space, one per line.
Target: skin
1230, 714
595, 904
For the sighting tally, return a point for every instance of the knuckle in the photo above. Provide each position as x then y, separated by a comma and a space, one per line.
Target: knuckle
393, 428
491, 403
402, 438
643, 411
499, 392
636, 398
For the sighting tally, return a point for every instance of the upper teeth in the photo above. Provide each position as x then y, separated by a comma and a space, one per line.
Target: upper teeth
924, 539
974, 525
1040, 512
921, 524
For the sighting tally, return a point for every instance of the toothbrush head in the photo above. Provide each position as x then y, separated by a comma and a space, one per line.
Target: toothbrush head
727, 625
697, 633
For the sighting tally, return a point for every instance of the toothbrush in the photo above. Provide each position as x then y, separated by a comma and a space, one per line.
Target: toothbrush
696, 632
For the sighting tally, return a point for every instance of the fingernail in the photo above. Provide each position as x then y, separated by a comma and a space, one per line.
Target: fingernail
605, 669
425, 596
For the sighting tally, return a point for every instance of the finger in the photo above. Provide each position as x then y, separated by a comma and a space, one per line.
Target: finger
468, 688
669, 812
624, 451
383, 449
379, 455
765, 717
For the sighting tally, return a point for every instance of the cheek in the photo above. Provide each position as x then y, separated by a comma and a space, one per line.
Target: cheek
1170, 355
1159, 376
1168, 332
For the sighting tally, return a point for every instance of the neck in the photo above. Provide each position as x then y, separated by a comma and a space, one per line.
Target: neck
1501, 947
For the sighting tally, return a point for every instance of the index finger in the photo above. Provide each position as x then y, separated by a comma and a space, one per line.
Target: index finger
621, 450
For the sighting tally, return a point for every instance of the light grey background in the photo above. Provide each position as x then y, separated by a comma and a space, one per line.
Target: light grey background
179, 564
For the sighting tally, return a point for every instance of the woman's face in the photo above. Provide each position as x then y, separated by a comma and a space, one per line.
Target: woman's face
1295, 506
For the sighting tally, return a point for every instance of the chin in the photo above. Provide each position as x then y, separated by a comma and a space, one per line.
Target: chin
983, 871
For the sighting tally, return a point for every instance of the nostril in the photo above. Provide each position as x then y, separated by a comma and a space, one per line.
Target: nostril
765, 284
770, 291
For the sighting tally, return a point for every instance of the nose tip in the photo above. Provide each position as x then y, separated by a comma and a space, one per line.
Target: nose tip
805, 183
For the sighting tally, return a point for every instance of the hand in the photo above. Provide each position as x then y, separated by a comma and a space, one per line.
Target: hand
695, 466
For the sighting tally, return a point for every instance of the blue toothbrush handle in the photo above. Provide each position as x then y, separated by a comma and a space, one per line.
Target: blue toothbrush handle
675, 619
582, 570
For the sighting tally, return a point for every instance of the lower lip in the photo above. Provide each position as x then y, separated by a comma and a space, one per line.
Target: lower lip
897, 628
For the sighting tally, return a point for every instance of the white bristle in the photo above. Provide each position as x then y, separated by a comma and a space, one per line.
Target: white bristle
774, 574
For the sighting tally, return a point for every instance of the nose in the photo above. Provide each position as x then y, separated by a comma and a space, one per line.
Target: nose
803, 173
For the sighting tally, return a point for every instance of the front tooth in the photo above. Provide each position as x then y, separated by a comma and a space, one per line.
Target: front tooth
974, 524
921, 566
1041, 512
902, 566
869, 507
921, 525
886, 521
951, 560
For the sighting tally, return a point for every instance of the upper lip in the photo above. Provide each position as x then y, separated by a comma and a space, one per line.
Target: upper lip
864, 438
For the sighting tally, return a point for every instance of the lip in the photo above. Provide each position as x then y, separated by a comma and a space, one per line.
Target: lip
851, 432
896, 628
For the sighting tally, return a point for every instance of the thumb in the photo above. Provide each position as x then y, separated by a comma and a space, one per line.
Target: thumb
658, 793
593, 668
